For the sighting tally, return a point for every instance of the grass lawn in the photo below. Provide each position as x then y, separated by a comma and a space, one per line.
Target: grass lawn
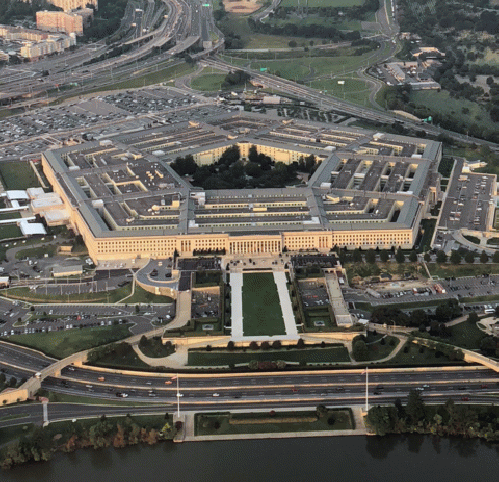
142, 296
208, 82
310, 355
302, 68
472, 239
442, 103
10, 215
9, 434
465, 335
18, 175
262, 313
128, 361
8, 231
276, 422
152, 78
353, 90
100, 297
378, 351
38, 252
61, 344
66, 398
445, 270
417, 356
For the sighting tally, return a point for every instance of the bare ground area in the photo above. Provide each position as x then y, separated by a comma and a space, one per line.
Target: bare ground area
242, 6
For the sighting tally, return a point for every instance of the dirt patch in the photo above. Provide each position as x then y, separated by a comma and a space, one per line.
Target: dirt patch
242, 6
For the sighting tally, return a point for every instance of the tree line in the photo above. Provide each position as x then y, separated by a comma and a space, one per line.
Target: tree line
446, 420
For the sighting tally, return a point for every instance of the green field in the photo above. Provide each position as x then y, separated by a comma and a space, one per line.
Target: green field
8, 231
272, 422
18, 175
310, 355
305, 68
442, 103
10, 215
141, 80
208, 82
354, 90
378, 350
61, 344
477, 269
262, 313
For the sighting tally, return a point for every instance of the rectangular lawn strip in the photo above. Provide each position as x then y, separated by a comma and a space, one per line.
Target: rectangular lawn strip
272, 422
337, 354
67, 398
18, 175
262, 314
9, 231
61, 344
99, 297
446, 270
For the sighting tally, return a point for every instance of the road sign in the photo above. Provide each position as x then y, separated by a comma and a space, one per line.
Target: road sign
263, 69
341, 82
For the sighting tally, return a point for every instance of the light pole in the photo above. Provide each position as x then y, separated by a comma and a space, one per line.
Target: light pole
367, 389
178, 397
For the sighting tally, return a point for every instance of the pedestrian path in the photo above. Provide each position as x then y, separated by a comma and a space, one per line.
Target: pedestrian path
236, 299
286, 306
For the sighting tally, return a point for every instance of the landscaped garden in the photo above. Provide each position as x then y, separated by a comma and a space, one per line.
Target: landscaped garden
273, 422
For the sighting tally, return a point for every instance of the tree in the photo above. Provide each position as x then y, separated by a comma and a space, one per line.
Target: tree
360, 351
484, 258
413, 257
415, 407
473, 317
441, 257
357, 256
469, 257
383, 256
495, 257
455, 257
399, 256
427, 257
418, 317
371, 256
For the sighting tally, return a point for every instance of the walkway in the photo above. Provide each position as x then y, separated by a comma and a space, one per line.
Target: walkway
236, 300
286, 306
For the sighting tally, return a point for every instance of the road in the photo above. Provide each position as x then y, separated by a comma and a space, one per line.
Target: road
275, 390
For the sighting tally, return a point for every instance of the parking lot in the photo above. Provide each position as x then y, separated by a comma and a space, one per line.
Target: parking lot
313, 293
205, 304
468, 201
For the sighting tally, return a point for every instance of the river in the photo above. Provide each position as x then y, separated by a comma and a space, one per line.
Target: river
339, 459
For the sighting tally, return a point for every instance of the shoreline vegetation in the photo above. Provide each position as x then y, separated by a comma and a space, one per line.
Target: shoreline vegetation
38, 444
449, 419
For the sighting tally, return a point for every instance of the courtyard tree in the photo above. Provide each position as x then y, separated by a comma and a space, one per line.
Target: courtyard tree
484, 258
455, 257
441, 257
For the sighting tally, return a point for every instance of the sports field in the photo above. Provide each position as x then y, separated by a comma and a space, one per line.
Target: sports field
322, 3
262, 314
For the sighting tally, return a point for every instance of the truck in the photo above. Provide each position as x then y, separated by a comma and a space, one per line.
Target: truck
439, 288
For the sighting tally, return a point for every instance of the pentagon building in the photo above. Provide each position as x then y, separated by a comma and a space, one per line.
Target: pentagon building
370, 190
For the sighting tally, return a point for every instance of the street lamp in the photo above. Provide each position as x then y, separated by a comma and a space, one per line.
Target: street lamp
178, 397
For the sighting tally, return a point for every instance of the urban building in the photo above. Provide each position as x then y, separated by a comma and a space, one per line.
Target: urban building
67, 22
370, 190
